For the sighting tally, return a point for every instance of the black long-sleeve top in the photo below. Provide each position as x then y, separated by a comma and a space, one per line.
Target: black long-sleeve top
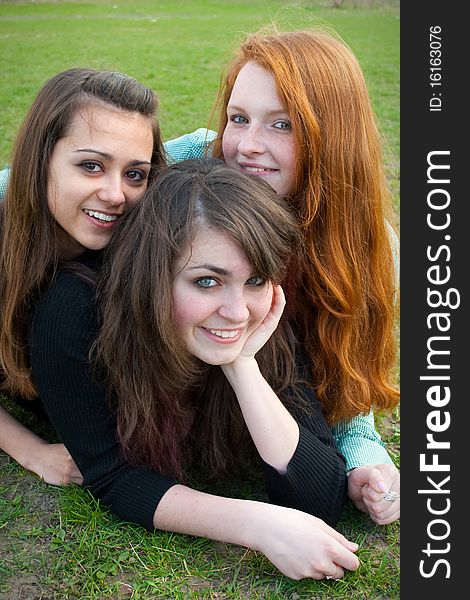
63, 328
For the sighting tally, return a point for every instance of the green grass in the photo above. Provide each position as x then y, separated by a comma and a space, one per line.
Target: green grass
58, 543
178, 48
61, 542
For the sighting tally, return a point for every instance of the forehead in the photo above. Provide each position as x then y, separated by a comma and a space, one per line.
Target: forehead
255, 80
110, 125
215, 247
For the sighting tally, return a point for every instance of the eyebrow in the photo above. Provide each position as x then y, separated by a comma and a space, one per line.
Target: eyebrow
108, 156
271, 113
209, 267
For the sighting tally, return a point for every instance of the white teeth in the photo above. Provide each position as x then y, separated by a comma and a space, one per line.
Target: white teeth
255, 169
100, 216
225, 334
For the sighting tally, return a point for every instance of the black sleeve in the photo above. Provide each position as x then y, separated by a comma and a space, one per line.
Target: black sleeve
316, 480
63, 329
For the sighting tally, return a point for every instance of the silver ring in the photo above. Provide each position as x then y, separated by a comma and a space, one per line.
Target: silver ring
391, 496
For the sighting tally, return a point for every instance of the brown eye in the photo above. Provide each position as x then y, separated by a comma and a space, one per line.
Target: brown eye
91, 167
136, 176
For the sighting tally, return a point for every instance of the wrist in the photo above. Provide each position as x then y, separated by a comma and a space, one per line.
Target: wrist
32, 453
241, 367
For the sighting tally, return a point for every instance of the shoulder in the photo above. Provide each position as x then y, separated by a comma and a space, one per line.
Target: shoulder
190, 145
4, 176
66, 310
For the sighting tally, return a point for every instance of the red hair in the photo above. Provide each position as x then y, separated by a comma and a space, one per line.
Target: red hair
342, 293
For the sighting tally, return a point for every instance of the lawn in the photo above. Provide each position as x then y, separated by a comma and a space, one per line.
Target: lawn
58, 543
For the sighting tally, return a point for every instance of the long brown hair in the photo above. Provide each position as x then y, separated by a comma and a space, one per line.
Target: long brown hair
29, 245
343, 289
166, 401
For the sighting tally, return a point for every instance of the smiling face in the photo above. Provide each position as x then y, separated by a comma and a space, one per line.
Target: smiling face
258, 136
218, 300
96, 171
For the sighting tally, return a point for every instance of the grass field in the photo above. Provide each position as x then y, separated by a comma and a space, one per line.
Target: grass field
58, 543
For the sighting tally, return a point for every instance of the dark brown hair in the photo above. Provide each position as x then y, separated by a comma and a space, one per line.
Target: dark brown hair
166, 400
29, 246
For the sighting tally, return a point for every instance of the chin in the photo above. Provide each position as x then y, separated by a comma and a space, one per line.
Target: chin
217, 361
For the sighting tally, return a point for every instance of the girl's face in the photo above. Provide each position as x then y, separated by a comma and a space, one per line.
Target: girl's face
96, 171
258, 136
218, 299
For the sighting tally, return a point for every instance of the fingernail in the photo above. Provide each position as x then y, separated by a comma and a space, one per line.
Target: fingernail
381, 486
353, 545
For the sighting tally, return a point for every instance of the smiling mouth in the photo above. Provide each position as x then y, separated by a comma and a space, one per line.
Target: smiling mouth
257, 170
223, 333
100, 216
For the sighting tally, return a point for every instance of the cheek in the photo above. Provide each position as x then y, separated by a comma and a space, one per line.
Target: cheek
189, 310
286, 158
133, 196
53, 193
229, 146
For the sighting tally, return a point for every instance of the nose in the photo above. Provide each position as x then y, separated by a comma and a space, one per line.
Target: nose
234, 307
112, 191
251, 141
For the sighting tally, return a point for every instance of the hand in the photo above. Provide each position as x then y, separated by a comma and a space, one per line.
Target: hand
367, 488
264, 331
54, 465
302, 546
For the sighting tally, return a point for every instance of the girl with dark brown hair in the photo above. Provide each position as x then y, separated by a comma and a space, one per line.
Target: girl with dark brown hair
85, 152
188, 374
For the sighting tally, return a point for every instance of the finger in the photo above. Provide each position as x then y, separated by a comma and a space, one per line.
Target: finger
386, 519
384, 512
277, 304
338, 573
391, 519
344, 558
370, 495
339, 537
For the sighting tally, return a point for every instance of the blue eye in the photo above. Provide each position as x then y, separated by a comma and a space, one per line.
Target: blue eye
256, 280
205, 282
284, 125
239, 119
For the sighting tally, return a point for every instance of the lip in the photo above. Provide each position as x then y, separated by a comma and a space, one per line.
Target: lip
263, 169
207, 331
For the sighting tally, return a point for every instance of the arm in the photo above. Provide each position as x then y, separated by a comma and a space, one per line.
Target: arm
63, 328
360, 443
297, 543
52, 462
303, 468
371, 470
